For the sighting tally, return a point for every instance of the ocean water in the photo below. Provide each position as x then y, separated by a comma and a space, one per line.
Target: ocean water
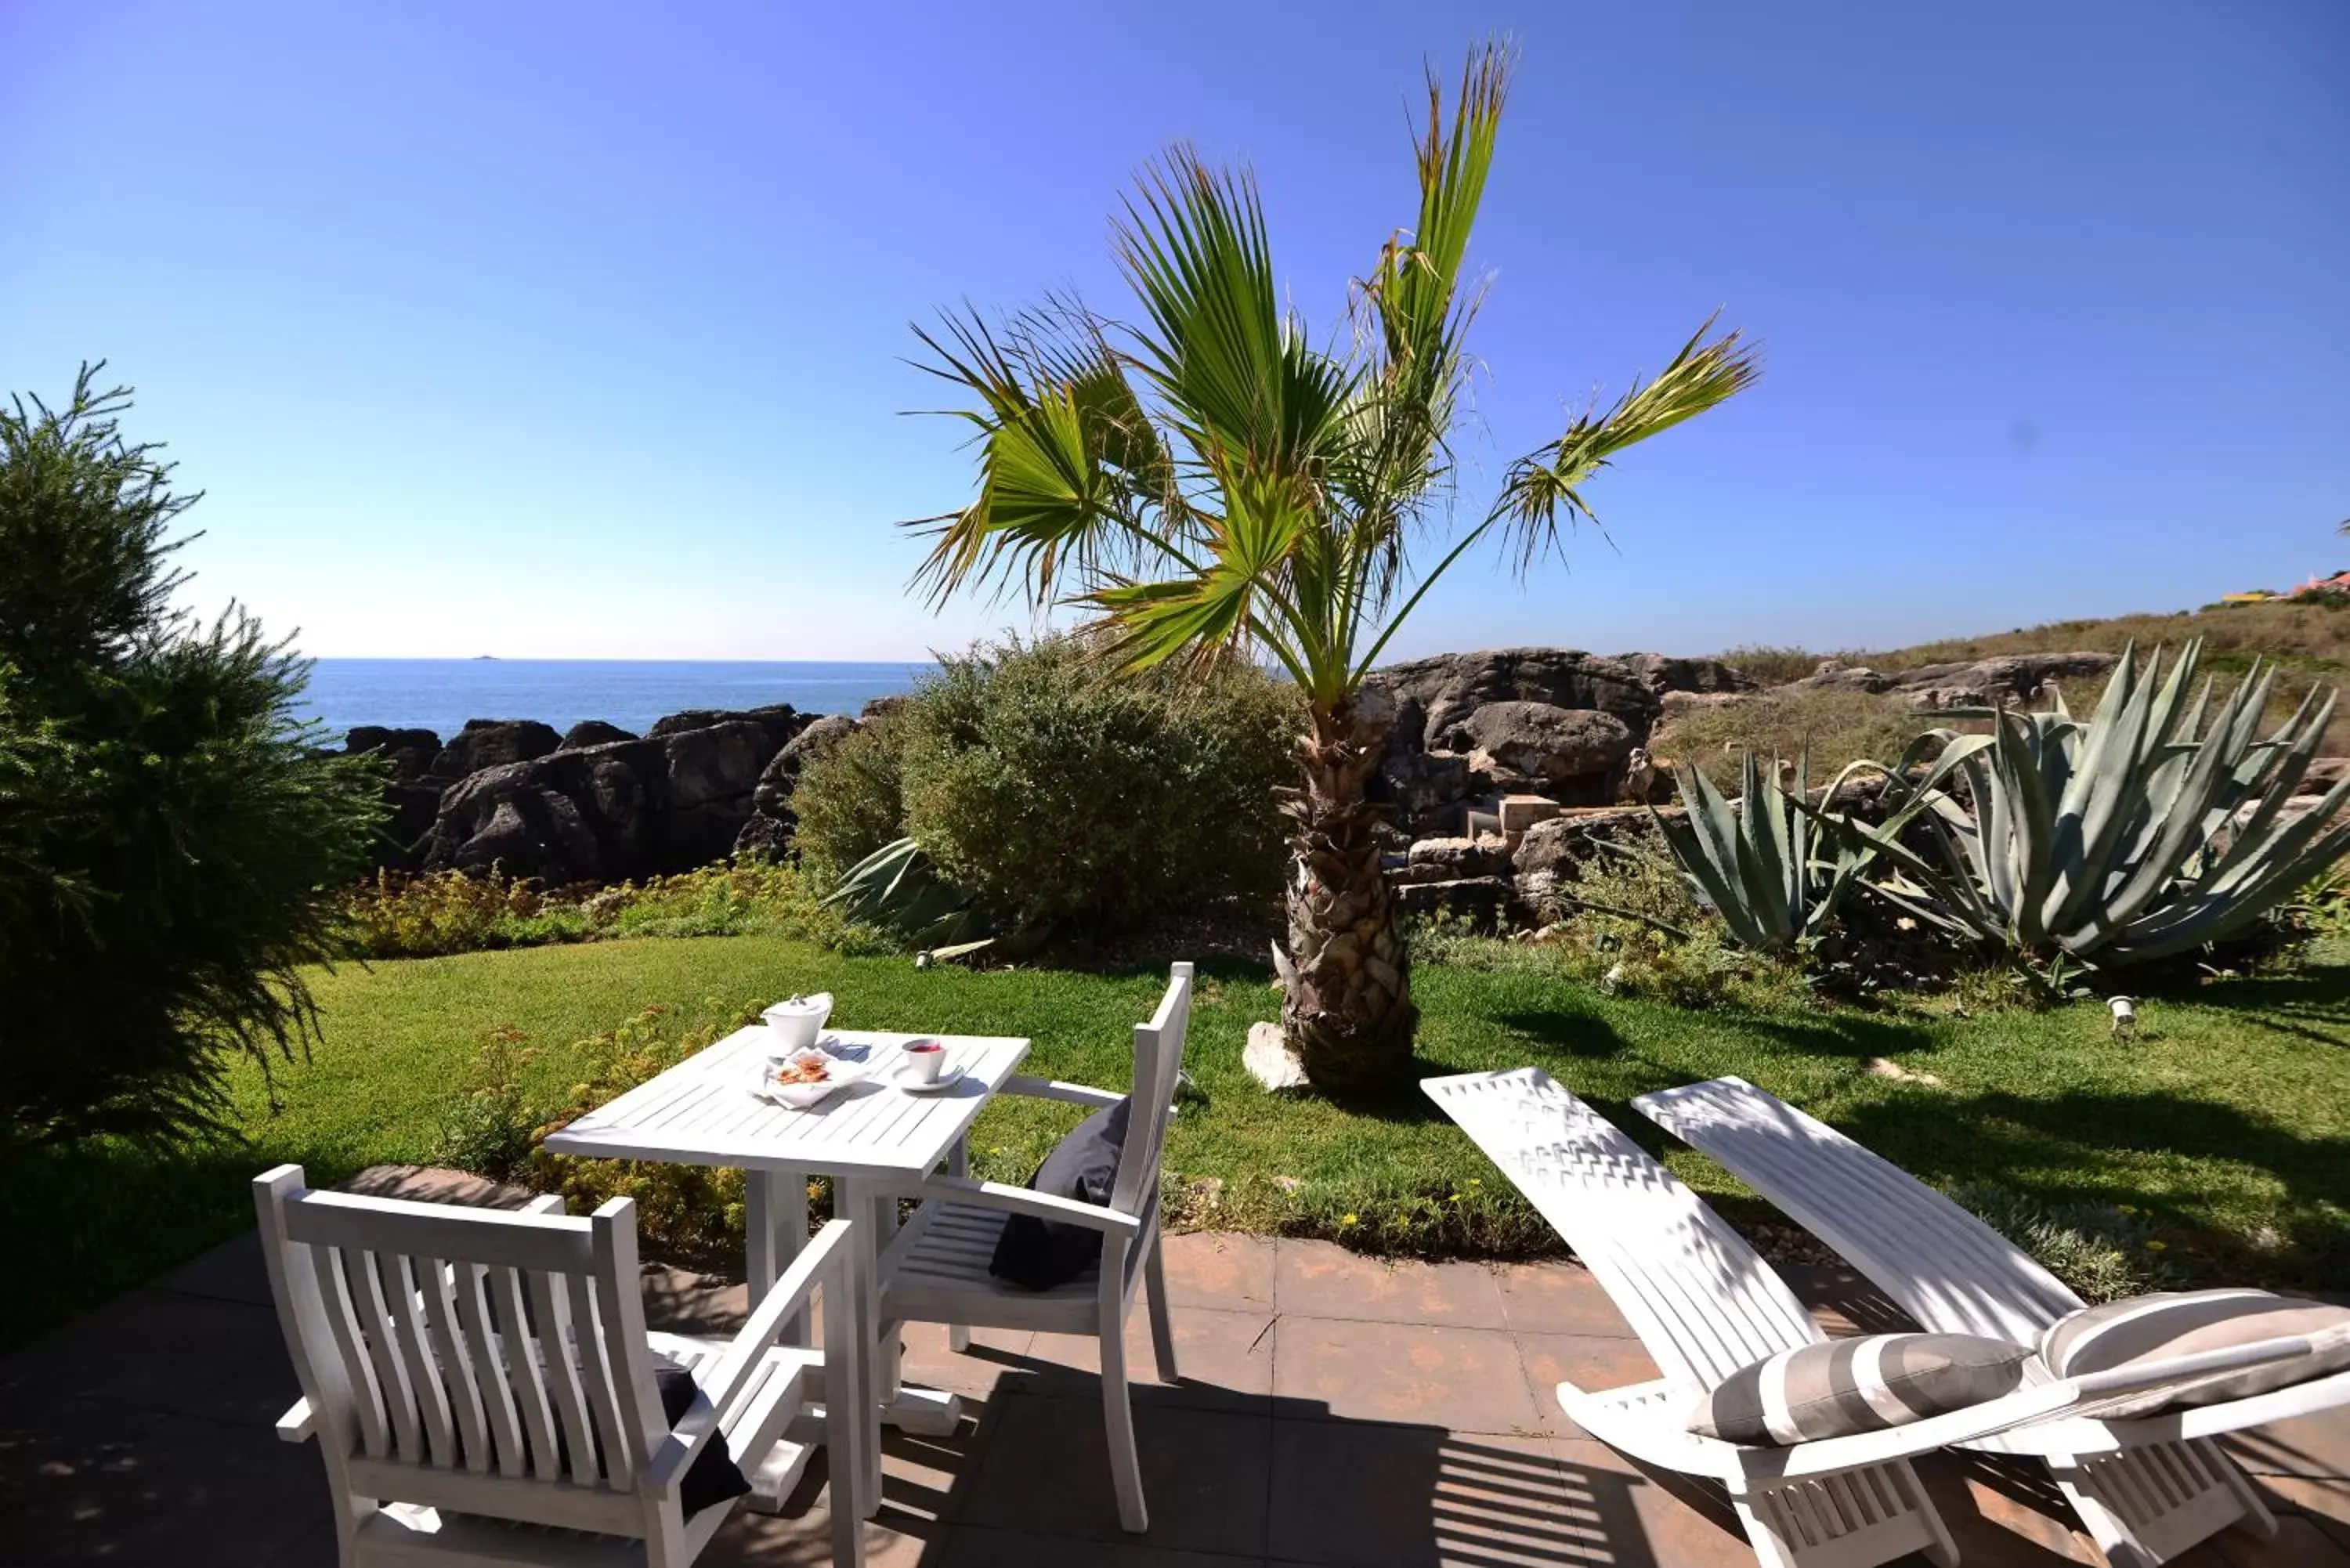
441, 694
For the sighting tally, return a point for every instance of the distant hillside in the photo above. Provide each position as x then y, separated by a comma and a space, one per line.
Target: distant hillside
2307, 641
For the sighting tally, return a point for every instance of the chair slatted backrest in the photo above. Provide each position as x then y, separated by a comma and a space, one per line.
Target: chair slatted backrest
1945, 1267
1158, 1067
1701, 1300
474, 1342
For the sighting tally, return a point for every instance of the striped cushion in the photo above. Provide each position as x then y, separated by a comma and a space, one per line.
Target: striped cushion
2183, 1322
1844, 1386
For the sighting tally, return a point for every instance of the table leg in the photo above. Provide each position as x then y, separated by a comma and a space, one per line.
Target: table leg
959, 1166
774, 1229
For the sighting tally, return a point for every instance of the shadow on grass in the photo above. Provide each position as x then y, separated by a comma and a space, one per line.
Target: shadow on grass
2004, 1139
86, 1222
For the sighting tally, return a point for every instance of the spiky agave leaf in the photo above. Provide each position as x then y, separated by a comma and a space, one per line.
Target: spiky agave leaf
2157, 827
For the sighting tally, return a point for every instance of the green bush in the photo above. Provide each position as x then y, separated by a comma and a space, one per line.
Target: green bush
1057, 794
851, 797
167, 826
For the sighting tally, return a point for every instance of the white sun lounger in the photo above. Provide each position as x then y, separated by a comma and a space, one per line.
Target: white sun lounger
2148, 1488
1705, 1304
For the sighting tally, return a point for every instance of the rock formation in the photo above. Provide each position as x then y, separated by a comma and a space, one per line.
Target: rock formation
772, 821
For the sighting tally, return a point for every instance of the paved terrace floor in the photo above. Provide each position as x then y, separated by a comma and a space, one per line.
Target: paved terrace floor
1334, 1411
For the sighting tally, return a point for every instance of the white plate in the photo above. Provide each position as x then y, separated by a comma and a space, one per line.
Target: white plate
947, 1079
805, 1097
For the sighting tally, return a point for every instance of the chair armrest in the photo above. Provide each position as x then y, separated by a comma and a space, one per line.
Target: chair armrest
2057, 1399
717, 1393
778, 1307
1024, 1201
1053, 1089
1826, 1456
299, 1424
544, 1203
2141, 1377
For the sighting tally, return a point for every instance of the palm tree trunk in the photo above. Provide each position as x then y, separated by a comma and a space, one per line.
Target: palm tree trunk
1348, 1012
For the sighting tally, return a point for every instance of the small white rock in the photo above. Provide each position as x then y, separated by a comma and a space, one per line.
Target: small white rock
1269, 1059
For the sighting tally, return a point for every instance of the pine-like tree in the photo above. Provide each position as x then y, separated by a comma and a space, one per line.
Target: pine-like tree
167, 828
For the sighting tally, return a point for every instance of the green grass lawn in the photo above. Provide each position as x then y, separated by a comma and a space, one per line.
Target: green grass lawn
2227, 1119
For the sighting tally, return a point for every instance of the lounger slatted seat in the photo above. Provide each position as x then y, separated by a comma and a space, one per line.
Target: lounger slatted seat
1704, 1304
2148, 1488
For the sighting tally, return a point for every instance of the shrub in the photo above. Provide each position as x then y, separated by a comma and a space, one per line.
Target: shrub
687, 1211
1056, 793
167, 826
851, 800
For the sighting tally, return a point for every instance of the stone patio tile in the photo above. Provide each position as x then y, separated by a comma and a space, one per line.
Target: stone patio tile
974, 1546
153, 1349
995, 1354
750, 1539
231, 1271
1322, 1279
1843, 1301
1045, 1469
1467, 1379
190, 1493
1675, 1522
2325, 1502
1218, 1269
1590, 1361
679, 1301
2299, 1542
2311, 1446
2006, 1510
1362, 1494
1557, 1298
50, 1449
1225, 1360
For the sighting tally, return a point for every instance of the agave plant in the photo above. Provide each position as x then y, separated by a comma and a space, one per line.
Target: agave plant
2141, 833
898, 889
1760, 862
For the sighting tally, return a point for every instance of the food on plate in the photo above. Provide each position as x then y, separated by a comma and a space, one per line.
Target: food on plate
809, 1069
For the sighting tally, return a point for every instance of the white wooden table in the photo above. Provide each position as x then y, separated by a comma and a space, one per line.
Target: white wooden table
871, 1139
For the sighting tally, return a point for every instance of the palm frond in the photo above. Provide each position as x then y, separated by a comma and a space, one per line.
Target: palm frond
1543, 494
1235, 370
1073, 472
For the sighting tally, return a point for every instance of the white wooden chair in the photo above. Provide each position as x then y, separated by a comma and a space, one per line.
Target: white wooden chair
2146, 1488
936, 1269
480, 1383
1704, 1305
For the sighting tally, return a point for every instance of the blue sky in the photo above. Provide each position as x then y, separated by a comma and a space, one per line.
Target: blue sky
576, 330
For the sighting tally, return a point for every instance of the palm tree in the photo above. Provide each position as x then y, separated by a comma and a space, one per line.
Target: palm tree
1206, 480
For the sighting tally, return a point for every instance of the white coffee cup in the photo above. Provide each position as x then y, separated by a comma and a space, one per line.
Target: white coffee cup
798, 1021
925, 1060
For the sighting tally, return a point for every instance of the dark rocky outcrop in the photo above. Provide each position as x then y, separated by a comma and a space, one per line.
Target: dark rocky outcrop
1990, 683
621, 811
772, 822
1569, 754
1550, 721
494, 743
410, 752
411, 796
779, 719
1433, 695
593, 732
1963, 683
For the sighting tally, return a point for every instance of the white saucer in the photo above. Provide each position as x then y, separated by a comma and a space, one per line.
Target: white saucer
947, 1079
